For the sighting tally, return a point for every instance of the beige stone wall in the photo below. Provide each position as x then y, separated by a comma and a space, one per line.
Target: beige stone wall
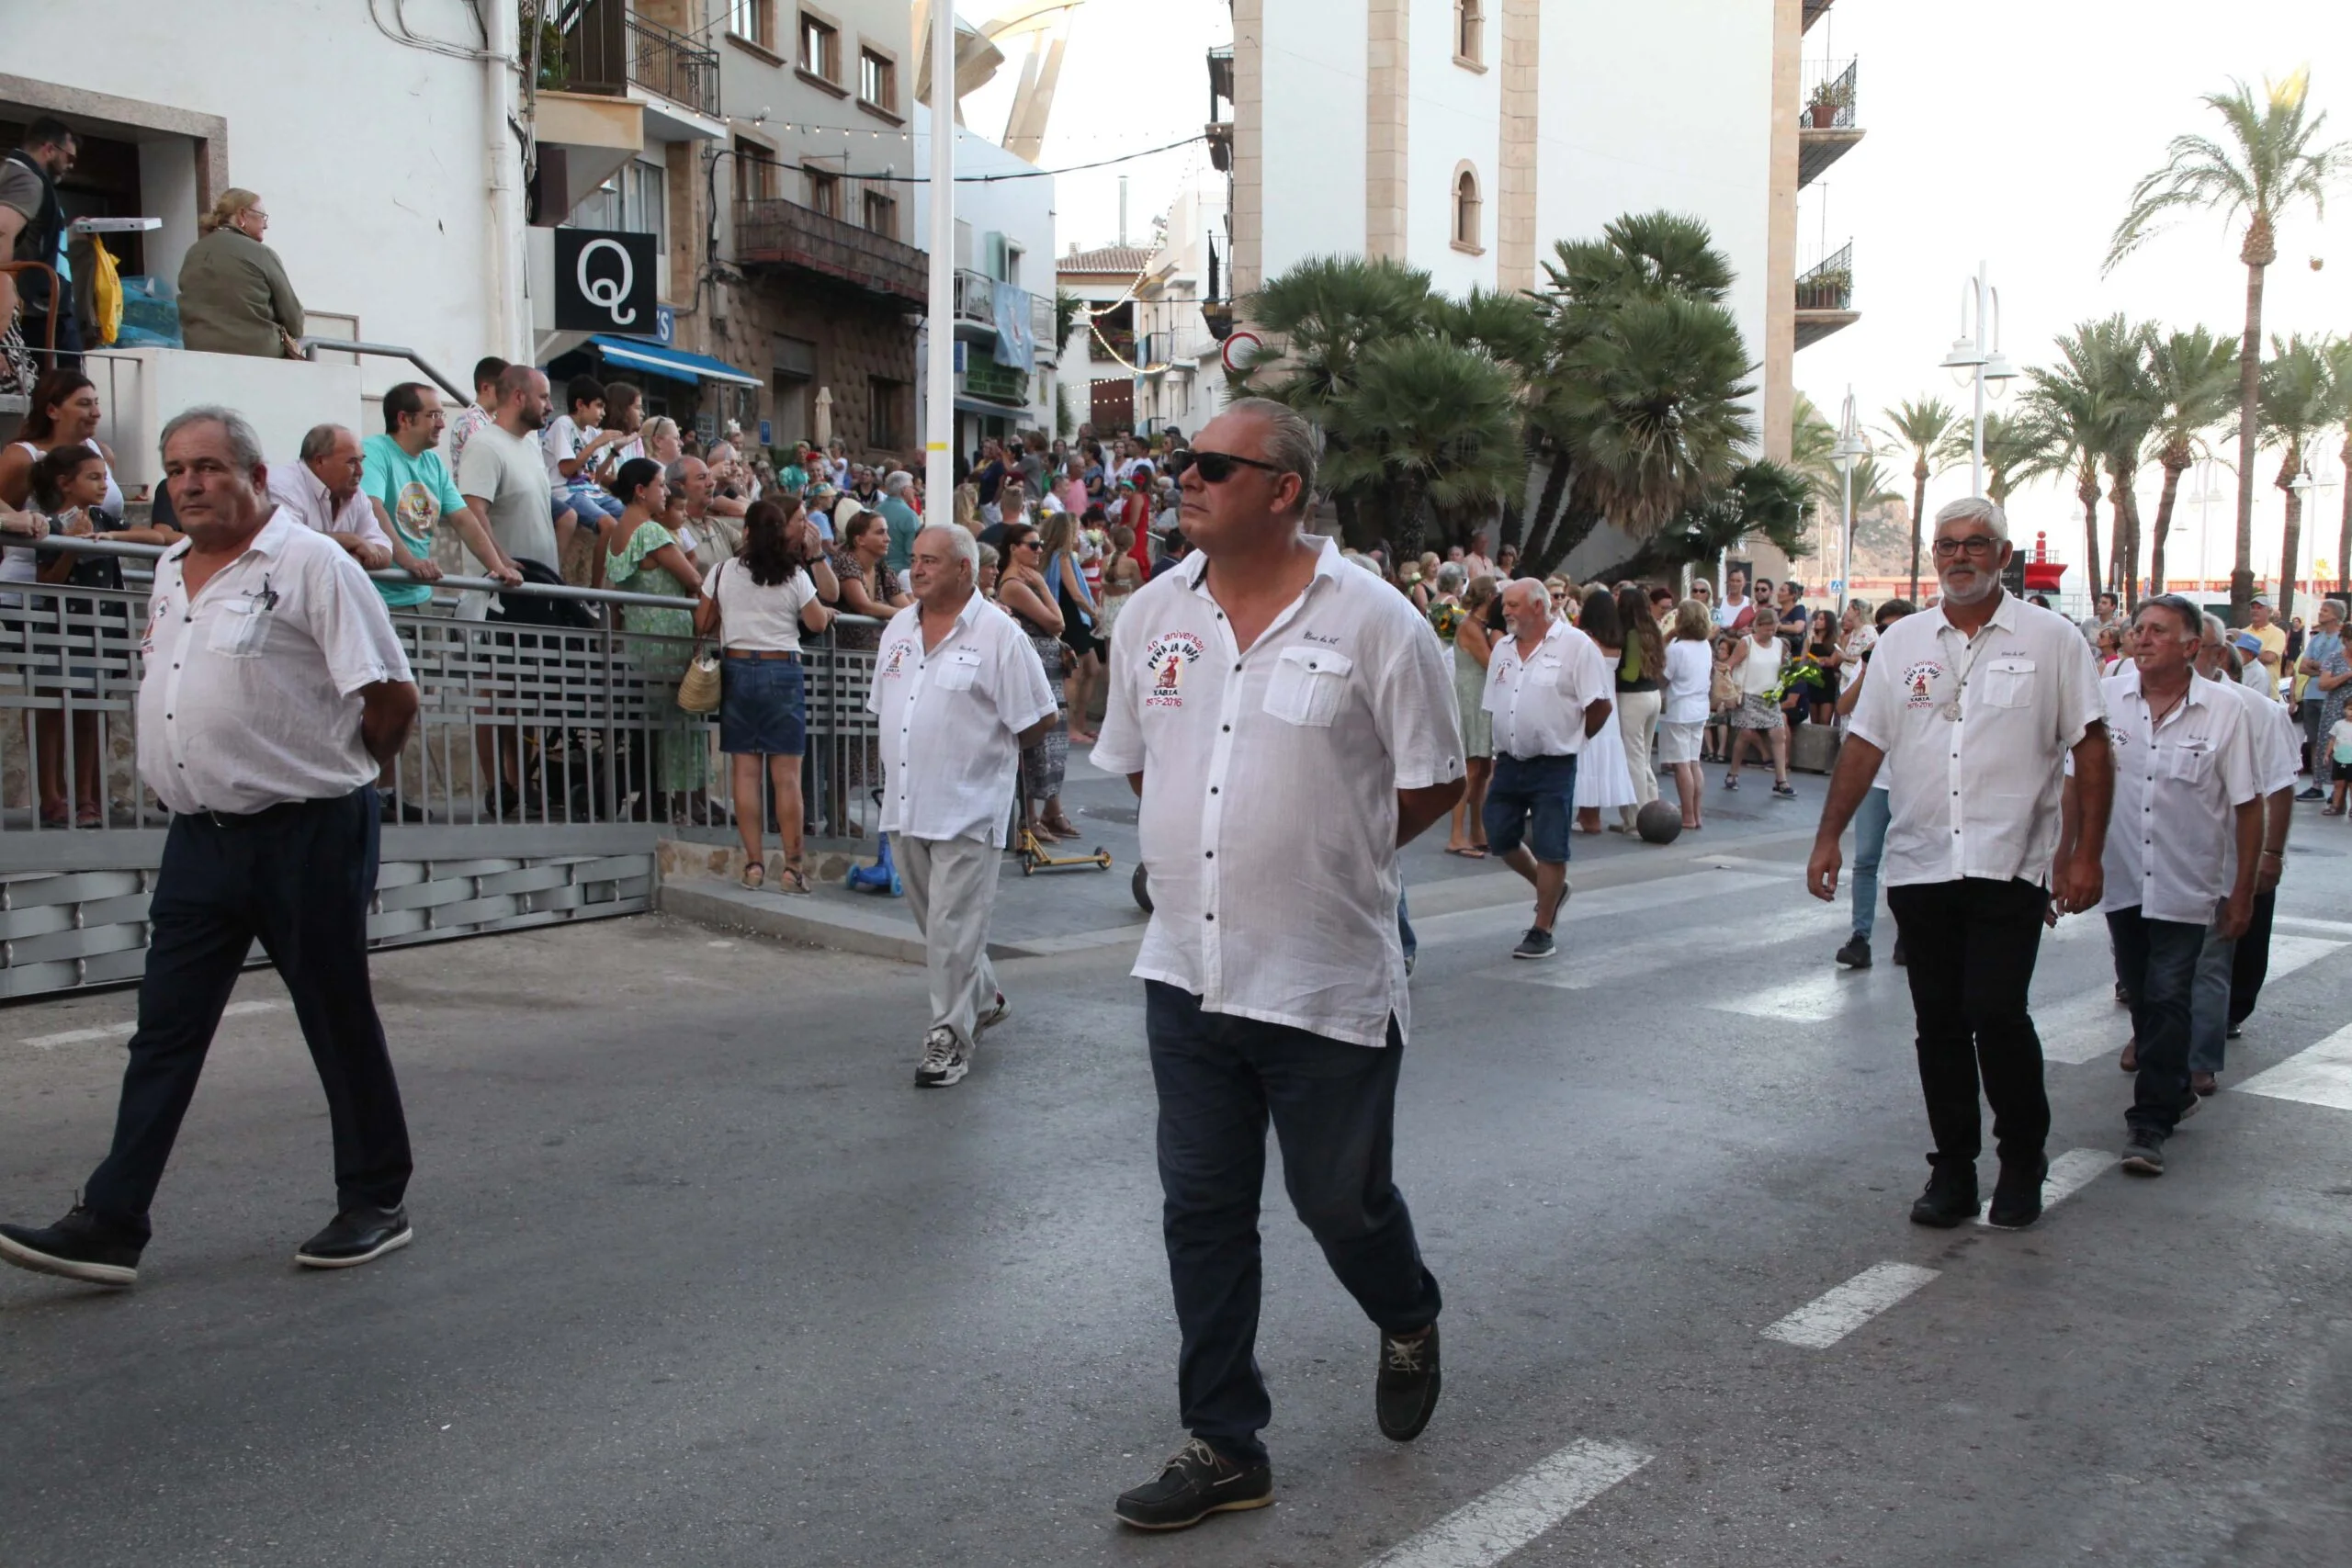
1248, 211
1781, 235
1386, 103
1515, 182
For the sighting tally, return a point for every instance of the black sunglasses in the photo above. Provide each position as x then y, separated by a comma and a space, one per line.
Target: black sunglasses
1215, 467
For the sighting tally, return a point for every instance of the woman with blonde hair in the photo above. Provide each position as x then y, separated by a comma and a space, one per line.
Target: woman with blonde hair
235, 295
1689, 671
1080, 616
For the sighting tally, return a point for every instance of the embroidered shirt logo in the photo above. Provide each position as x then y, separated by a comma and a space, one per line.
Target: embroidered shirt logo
1916, 683
1164, 661
898, 659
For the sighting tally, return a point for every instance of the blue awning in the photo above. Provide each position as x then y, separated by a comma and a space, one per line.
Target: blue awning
675, 364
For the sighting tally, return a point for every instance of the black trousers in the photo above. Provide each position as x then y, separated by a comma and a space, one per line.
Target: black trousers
1333, 1105
1972, 945
296, 878
2250, 961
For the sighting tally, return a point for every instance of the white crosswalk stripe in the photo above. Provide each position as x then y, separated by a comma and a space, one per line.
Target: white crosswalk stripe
125, 1028
1491, 1528
2321, 1074
1833, 1314
1581, 968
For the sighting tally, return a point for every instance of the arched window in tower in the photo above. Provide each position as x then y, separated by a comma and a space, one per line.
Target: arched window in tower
1467, 229
1469, 31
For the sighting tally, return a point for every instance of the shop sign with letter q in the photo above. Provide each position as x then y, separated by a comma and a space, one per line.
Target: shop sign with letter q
603, 282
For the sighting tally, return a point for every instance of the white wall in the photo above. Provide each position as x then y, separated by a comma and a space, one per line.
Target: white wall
1666, 104
367, 154
143, 388
1455, 113
1314, 54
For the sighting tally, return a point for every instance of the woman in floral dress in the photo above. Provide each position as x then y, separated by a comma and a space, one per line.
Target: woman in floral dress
643, 555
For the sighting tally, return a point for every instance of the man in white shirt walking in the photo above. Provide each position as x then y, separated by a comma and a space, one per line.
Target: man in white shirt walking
271, 690
958, 690
2187, 814
1287, 722
1974, 705
1549, 690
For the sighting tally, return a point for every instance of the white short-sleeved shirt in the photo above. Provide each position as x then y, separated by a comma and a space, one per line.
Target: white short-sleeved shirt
1690, 667
1269, 810
754, 618
2169, 838
559, 443
303, 497
1539, 702
249, 697
951, 721
1979, 796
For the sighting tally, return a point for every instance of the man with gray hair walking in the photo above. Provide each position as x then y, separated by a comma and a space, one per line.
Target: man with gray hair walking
958, 690
1974, 705
1288, 722
272, 688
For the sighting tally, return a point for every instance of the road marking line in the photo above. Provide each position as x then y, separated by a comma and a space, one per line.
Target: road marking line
2069, 1174
130, 1026
1626, 897
1580, 968
1828, 1318
1816, 999
2338, 929
2091, 1024
2321, 1074
1488, 1531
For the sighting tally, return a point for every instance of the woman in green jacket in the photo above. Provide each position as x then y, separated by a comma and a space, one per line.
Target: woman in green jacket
234, 296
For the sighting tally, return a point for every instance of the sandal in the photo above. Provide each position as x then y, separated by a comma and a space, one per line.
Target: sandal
796, 880
754, 877
1061, 827
56, 817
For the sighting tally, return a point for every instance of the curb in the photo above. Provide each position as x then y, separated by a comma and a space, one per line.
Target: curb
814, 923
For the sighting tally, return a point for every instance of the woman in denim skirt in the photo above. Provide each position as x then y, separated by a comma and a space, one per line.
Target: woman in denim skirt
758, 601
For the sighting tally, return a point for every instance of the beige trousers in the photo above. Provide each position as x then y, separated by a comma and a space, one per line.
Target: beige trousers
951, 888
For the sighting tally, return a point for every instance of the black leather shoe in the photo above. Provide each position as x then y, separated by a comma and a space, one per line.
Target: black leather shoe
2017, 1196
1902, 956
1196, 1482
1856, 954
80, 1247
1949, 1199
1406, 1391
357, 1236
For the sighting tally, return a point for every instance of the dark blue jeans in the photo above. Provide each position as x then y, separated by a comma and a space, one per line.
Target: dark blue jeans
1333, 1105
2156, 960
296, 878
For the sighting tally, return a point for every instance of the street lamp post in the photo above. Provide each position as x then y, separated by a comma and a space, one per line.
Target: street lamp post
1977, 351
2305, 487
1851, 449
939, 356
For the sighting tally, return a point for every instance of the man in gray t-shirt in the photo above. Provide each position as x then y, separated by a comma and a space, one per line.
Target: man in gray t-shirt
503, 474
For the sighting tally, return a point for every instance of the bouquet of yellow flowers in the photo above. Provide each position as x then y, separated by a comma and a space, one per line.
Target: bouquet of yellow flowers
1447, 617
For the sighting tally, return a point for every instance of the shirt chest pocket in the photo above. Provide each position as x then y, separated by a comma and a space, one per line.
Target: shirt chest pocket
2187, 765
959, 671
1306, 685
239, 628
2008, 682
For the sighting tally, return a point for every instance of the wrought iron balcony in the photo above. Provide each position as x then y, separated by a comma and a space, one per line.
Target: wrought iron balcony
1825, 296
1826, 128
974, 304
771, 231
607, 48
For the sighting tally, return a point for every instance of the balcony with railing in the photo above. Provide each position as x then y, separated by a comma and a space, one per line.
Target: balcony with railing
1825, 296
773, 233
1826, 128
608, 49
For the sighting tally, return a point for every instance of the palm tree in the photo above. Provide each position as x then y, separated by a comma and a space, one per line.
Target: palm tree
2298, 404
2072, 429
2195, 384
1511, 328
2112, 352
2339, 375
1427, 421
2270, 162
1764, 500
1924, 424
1641, 399
2008, 448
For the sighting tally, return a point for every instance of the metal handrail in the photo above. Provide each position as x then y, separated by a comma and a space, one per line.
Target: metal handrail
130, 551
311, 346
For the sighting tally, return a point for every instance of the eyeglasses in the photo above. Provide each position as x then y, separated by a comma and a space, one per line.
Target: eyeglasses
1981, 545
1030, 545
1215, 467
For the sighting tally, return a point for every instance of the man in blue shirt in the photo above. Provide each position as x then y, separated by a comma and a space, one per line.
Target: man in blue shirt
900, 518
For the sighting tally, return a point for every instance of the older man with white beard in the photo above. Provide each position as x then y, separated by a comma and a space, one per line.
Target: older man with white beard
1976, 704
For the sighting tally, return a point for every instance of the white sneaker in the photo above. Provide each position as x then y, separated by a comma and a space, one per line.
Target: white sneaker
994, 1015
946, 1059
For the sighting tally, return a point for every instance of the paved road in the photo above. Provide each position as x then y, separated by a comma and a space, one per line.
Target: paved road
701, 1279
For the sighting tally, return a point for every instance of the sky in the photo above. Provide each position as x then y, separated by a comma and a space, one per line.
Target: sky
2006, 131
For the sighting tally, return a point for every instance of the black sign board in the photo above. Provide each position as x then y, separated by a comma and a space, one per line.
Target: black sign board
603, 282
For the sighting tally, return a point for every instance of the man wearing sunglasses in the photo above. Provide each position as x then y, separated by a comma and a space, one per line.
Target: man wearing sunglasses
1974, 705
1288, 722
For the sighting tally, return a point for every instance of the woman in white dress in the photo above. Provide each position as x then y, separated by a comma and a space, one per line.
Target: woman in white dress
1603, 781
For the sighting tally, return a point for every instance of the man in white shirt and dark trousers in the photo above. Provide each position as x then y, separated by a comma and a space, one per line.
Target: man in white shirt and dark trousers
1287, 723
958, 690
2187, 814
1549, 690
1974, 705
273, 687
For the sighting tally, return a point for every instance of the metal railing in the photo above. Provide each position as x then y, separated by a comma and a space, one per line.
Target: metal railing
608, 47
772, 231
1828, 96
311, 347
975, 298
546, 763
1828, 285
